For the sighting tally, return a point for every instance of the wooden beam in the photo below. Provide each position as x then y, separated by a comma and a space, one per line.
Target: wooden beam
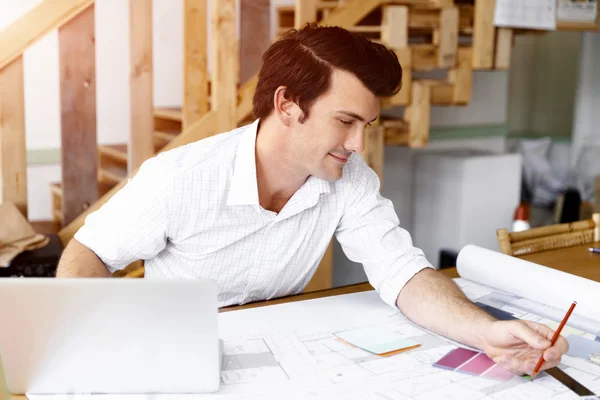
397, 133
374, 145
441, 91
13, 152
418, 114
225, 64
448, 34
403, 97
424, 4
255, 35
245, 94
305, 11
430, 19
394, 26
350, 14
424, 57
195, 70
45, 17
503, 48
78, 114
483, 34
141, 145
461, 77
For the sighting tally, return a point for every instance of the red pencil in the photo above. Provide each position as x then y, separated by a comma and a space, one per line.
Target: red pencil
536, 370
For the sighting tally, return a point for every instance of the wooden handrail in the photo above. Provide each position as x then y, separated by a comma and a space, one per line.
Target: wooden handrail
48, 15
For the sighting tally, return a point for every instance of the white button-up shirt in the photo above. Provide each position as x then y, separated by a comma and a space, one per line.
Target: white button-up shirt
193, 212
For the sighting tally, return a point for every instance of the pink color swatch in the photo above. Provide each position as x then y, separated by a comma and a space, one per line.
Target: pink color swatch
478, 365
498, 373
474, 363
456, 358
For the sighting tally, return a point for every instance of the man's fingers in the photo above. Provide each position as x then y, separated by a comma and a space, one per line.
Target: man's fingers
516, 365
560, 347
531, 336
542, 329
520, 366
555, 352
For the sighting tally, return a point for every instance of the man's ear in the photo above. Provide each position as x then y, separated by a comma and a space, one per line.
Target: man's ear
284, 108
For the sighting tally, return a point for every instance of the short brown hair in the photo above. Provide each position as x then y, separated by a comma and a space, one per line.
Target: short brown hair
304, 59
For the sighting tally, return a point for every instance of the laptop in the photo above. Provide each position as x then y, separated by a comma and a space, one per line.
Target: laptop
94, 335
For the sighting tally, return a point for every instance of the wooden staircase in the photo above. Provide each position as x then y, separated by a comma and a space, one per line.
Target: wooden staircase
113, 158
426, 35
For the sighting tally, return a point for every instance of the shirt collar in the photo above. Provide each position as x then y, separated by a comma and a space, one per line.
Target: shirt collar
244, 187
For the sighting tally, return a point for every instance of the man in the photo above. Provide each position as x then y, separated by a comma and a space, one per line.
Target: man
255, 208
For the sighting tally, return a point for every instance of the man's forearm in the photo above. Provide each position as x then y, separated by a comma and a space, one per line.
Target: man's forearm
433, 301
79, 261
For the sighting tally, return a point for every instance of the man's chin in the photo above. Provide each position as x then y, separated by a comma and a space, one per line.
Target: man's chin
330, 176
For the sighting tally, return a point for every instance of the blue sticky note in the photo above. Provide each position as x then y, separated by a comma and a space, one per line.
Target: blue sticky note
380, 340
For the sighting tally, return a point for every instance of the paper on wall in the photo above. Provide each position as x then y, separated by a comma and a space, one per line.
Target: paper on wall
529, 280
577, 11
532, 14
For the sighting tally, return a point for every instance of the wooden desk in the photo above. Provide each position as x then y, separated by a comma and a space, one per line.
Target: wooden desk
359, 287
576, 260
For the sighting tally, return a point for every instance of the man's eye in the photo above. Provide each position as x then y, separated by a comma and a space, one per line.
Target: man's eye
345, 122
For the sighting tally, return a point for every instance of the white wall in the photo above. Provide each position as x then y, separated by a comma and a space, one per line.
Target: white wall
586, 127
543, 79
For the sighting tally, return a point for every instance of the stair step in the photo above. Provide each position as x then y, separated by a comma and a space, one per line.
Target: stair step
112, 174
57, 189
170, 113
117, 152
165, 136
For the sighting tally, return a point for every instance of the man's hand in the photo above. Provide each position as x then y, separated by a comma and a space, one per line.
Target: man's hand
518, 345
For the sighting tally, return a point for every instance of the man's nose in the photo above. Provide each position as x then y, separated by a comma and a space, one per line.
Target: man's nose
356, 141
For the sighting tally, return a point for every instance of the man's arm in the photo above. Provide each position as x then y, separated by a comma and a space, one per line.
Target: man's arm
435, 302
79, 261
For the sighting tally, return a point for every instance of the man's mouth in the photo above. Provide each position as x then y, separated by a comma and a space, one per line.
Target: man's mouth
342, 160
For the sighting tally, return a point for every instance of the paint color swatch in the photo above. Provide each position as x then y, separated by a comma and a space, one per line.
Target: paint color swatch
473, 363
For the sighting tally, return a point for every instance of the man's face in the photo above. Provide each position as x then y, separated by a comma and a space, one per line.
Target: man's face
334, 128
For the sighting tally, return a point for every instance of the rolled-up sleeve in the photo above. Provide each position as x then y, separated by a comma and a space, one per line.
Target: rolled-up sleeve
132, 225
370, 234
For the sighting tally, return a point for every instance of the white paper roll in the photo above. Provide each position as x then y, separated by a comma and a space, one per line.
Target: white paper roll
529, 280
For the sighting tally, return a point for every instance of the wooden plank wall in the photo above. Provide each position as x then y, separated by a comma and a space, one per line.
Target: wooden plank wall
255, 35
141, 145
195, 73
78, 114
224, 63
13, 154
